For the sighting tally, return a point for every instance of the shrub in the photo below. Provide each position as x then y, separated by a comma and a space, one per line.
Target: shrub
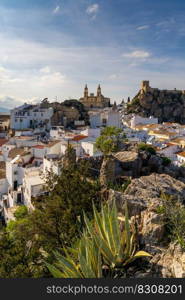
166, 161
174, 216
148, 148
135, 101
21, 212
103, 248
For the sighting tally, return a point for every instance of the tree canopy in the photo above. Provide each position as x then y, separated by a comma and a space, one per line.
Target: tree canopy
110, 140
55, 223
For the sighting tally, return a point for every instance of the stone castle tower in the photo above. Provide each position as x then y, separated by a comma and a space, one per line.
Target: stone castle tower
92, 101
145, 86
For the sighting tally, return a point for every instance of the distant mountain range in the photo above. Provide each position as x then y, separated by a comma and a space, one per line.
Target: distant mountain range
3, 109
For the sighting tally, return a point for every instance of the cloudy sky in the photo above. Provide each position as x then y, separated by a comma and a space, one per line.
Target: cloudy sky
52, 48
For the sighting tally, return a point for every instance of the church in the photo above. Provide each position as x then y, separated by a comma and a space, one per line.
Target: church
94, 101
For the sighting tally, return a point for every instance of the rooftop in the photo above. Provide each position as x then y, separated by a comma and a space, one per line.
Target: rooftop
181, 154
17, 151
79, 137
3, 141
39, 146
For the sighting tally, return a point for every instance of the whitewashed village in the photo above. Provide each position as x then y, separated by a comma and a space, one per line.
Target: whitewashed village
34, 138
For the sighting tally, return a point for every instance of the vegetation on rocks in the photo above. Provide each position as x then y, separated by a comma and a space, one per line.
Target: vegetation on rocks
110, 141
174, 218
167, 106
148, 148
103, 250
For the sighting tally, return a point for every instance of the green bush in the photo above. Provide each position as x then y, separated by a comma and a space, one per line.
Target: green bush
148, 148
174, 216
135, 101
21, 212
166, 161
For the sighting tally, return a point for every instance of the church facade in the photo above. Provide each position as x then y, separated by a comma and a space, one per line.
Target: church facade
94, 101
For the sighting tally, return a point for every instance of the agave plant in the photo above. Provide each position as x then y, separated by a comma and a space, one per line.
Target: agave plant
118, 248
83, 262
102, 246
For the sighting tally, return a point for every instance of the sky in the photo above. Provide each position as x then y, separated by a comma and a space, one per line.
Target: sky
52, 48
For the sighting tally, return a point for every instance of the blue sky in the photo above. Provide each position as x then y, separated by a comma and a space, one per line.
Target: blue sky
52, 48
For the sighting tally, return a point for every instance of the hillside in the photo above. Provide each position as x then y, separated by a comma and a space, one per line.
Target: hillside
166, 105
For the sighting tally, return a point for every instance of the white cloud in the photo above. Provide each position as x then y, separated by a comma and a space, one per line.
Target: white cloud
56, 9
45, 70
138, 54
92, 9
9, 101
144, 27
113, 76
34, 70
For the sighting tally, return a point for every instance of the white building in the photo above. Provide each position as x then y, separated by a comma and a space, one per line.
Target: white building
181, 158
33, 185
40, 150
57, 132
91, 132
169, 150
90, 149
136, 120
30, 116
105, 117
75, 142
95, 119
52, 163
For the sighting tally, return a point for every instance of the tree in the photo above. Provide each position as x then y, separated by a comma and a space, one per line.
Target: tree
54, 224
110, 141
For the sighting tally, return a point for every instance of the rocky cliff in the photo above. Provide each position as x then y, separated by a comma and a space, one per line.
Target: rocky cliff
143, 198
166, 105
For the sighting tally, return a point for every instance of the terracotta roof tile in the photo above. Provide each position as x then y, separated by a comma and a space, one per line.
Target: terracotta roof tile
79, 138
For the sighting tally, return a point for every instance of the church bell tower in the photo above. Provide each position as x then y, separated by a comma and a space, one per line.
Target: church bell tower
86, 92
99, 91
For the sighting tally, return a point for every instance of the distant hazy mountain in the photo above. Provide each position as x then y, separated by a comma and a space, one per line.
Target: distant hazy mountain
3, 109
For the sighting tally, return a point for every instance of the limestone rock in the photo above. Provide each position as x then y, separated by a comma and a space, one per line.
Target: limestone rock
143, 198
171, 261
107, 171
128, 163
163, 104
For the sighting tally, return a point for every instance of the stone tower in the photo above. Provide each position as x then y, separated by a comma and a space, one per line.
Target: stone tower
86, 92
99, 91
145, 86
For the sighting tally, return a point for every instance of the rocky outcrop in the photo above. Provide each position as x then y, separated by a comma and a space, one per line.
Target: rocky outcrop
167, 106
143, 197
171, 261
142, 163
67, 112
128, 163
107, 171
